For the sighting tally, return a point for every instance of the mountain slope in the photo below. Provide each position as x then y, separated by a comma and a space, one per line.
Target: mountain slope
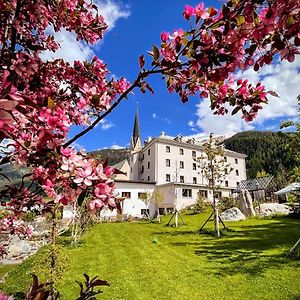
265, 150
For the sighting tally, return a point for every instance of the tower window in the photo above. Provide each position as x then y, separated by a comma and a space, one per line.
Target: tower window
193, 153
237, 172
181, 151
168, 149
181, 165
148, 164
181, 179
194, 166
168, 177
148, 151
194, 180
168, 163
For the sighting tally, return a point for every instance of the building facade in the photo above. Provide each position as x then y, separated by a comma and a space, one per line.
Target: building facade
175, 164
173, 167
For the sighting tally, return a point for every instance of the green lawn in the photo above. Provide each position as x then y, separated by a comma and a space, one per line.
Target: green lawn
247, 263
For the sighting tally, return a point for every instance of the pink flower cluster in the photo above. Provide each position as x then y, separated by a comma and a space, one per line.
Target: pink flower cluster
15, 227
242, 35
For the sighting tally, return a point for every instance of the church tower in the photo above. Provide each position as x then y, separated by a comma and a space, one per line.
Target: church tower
135, 143
135, 148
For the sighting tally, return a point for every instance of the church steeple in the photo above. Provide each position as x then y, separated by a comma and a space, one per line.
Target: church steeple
135, 144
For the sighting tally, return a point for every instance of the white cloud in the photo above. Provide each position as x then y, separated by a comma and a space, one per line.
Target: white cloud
282, 78
191, 123
70, 48
112, 12
115, 146
158, 117
105, 125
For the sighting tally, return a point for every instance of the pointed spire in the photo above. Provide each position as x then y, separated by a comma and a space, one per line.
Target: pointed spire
135, 144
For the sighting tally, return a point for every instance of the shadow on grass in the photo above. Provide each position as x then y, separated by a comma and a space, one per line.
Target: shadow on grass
253, 248
176, 233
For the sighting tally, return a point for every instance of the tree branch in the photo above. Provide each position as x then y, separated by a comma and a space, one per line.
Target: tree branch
135, 84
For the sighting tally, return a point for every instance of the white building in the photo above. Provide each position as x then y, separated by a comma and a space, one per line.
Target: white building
169, 164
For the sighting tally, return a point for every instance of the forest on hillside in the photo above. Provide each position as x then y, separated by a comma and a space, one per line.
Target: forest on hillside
266, 151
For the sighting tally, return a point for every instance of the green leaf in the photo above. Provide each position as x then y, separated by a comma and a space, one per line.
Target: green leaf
51, 103
238, 108
240, 20
156, 53
290, 21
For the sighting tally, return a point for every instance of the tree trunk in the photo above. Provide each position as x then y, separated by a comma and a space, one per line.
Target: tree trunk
216, 215
53, 253
158, 215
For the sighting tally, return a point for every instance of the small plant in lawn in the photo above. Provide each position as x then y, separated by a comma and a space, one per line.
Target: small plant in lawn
87, 291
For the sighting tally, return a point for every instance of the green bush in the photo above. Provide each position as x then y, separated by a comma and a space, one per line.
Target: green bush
227, 202
29, 216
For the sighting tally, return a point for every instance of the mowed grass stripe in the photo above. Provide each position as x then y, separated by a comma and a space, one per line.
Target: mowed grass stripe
248, 262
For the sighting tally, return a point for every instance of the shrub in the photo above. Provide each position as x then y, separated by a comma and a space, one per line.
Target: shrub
227, 202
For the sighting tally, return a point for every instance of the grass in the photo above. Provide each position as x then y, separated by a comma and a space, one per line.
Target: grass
152, 261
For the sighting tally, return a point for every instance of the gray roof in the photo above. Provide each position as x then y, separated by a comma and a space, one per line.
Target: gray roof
261, 183
120, 164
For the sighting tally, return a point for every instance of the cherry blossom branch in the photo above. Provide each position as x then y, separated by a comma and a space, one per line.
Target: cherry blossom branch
135, 84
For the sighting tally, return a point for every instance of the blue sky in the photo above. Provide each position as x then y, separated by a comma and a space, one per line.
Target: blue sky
134, 26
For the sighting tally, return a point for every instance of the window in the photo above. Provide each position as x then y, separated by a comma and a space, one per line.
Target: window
142, 195
237, 184
148, 165
194, 180
218, 195
181, 179
148, 151
194, 166
148, 178
237, 172
225, 158
168, 177
194, 153
181, 151
168, 149
168, 163
203, 193
181, 165
226, 171
142, 169
226, 183
187, 193
126, 194
236, 161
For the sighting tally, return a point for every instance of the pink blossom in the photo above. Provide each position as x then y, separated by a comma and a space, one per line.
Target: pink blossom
95, 204
102, 189
84, 176
201, 12
189, 11
164, 36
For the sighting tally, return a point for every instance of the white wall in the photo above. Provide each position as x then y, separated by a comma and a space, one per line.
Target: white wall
132, 206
